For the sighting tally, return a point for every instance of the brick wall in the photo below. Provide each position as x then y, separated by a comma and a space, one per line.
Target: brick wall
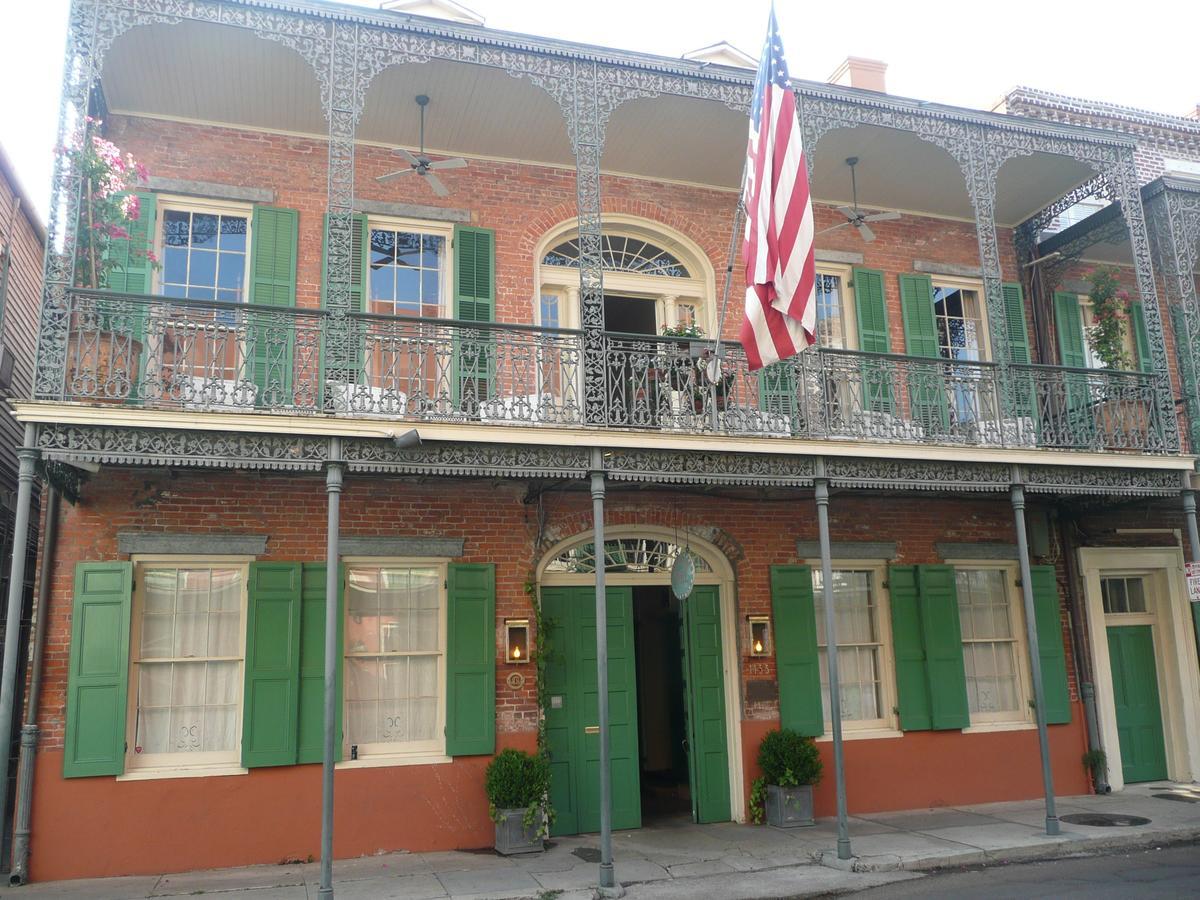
523, 203
754, 533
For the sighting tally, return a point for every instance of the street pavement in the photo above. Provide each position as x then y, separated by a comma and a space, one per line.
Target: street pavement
1139, 875
676, 859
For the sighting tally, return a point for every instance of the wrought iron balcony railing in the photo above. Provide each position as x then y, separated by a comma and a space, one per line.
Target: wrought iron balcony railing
165, 353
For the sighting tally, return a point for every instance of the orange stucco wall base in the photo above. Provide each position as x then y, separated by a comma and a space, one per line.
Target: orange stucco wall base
926, 769
93, 827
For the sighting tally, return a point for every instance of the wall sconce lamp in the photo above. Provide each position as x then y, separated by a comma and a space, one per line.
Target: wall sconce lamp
516, 643
760, 635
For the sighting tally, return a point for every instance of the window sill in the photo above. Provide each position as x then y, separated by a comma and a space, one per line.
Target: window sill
157, 774
377, 762
985, 727
860, 734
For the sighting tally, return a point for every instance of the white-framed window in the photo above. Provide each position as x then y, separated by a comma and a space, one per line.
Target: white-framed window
837, 325
1087, 316
993, 635
395, 659
408, 268
961, 319
204, 247
866, 685
187, 655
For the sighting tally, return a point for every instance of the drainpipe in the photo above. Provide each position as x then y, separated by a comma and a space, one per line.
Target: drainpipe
29, 731
608, 879
821, 483
333, 489
16, 589
1189, 515
1035, 661
1083, 661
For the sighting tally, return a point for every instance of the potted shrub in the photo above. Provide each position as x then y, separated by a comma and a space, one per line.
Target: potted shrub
518, 788
790, 765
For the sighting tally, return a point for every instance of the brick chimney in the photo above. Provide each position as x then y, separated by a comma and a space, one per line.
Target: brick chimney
857, 72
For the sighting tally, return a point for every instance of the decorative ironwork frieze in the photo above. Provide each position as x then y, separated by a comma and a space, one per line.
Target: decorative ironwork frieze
1104, 481
443, 458
917, 475
698, 467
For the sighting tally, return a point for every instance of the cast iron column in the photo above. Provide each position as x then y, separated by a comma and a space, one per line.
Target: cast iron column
16, 590
608, 881
835, 694
333, 488
1035, 661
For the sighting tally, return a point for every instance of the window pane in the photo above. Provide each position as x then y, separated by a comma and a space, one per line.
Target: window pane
233, 270
1136, 595
204, 231
176, 228
174, 265
233, 233
202, 271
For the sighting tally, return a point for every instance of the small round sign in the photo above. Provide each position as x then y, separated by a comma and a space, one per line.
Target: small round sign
683, 575
515, 680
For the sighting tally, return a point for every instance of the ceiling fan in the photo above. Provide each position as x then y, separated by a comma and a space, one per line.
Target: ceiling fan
854, 215
422, 164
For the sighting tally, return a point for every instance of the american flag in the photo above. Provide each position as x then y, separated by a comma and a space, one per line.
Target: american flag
781, 309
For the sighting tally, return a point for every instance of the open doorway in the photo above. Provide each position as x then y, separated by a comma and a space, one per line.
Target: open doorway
630, 315
662, 722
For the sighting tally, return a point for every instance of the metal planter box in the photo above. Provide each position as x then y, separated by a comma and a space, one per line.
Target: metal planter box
789, 807
513, 837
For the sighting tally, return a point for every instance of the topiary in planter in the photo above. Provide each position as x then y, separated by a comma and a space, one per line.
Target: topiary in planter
791, 765
518, 788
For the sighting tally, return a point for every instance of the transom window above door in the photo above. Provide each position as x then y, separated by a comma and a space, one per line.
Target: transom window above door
959, 315
407, 271
1123, 594
204, 253
622, 253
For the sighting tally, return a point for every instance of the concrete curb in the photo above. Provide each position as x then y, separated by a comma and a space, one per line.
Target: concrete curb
1052, 850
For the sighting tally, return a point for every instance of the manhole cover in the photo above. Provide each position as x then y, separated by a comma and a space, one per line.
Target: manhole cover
587, 854
1104, 820
1183, 798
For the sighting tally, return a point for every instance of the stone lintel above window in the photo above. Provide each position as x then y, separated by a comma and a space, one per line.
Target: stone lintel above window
413, 211
848, 550
931, 267
403, 547
211, 190
979, 550
845, 257
185, 544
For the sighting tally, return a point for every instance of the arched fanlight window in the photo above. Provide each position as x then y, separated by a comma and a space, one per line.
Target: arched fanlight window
621, 254
632, 554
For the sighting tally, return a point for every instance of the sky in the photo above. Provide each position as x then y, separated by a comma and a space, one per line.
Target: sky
965, 53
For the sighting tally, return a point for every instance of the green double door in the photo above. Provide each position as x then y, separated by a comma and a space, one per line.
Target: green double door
572, 713
1135, 693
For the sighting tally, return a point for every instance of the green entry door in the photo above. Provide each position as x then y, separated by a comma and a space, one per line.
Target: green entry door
704, 693
1139, 716
572, 716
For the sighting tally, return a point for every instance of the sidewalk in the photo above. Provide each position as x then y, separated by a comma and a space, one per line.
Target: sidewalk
722, 861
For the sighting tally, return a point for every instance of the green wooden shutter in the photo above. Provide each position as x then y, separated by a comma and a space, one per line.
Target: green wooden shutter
471, 660
777, 394
926, 387
942, 633
1137, 321
269, 721
870, 305
350, 370
796, 661
1068, 323
1050, 644
473, 365
311, 721
134, 274
908, 644
273, 283
1080, 426
98, 674
1185, 354
1018, 346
